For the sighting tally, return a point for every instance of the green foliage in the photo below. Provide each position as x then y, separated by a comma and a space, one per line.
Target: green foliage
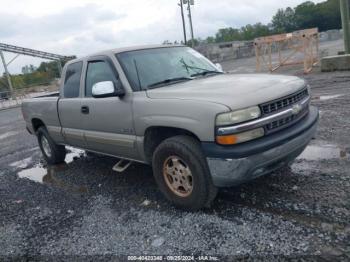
324, 15
43, 75
247, 32
51, 68
210, 39
284, 21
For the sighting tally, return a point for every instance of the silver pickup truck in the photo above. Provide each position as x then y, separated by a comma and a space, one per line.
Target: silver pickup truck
170, 107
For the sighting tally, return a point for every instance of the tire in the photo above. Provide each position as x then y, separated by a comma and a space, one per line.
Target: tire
53, 153
194, 191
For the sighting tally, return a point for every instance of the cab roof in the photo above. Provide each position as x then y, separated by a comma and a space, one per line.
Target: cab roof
123, 49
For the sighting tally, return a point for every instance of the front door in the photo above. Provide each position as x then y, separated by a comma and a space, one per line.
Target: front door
108, 123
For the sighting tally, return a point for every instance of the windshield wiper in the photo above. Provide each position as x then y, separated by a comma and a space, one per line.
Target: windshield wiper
169, 80
205, 72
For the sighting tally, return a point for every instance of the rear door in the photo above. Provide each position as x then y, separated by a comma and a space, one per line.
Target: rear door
69, 106
108, 123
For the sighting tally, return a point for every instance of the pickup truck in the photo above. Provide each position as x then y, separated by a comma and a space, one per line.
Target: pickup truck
169, 107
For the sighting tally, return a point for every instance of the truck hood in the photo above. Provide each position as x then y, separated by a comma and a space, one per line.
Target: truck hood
236, 91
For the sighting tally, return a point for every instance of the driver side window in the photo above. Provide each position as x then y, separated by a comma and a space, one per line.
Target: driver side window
97, 71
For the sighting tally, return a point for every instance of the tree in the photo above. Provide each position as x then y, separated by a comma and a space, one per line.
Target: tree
28, 69
324, 15
249, 32
329, 15
284, 21
306, 15
227, 34
51, 68
210, 40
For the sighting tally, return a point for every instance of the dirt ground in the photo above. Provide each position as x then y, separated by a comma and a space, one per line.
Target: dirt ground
83, 209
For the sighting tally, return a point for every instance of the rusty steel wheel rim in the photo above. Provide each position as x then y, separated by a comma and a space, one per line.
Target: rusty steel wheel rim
178, 176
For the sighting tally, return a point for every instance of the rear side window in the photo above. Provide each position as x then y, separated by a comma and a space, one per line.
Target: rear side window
72, 80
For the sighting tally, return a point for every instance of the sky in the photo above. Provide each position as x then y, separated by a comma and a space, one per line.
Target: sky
81, 27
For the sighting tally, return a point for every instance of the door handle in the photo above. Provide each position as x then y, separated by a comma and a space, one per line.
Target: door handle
85, 109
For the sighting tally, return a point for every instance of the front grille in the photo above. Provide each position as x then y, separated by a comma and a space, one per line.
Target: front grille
281, 122
285, 122
284, 102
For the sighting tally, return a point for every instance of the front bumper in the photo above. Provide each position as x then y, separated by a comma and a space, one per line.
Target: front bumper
236, 164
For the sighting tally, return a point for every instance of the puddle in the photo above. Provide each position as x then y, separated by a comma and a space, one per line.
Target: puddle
327, 97
73, 154
36, 173
11, 133
327, 151
47, 175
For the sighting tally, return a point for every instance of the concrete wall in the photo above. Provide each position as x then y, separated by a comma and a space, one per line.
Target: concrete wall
331, 35
227, 51
218, 52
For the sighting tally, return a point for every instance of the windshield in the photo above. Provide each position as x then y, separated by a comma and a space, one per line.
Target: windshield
153, 68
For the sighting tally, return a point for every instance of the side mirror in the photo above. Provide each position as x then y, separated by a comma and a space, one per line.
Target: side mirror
219, 67
106, 89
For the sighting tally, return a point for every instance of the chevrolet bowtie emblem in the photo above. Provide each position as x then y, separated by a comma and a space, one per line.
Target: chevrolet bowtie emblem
296, 109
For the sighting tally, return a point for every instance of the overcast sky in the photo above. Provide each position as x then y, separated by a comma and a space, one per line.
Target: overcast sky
80, 27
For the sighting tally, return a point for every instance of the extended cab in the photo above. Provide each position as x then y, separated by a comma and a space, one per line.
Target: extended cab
170, 107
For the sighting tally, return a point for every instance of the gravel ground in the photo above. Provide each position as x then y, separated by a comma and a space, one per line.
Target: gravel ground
84, 208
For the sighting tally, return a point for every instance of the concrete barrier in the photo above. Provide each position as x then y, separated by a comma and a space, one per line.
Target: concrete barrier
335, 63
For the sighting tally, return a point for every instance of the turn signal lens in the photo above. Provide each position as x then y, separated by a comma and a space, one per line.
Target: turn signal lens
241, 137
226, 140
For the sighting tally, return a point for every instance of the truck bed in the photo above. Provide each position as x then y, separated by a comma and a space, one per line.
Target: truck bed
43, 108
49, 94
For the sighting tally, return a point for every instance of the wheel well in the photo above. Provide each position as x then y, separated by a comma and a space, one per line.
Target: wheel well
155, 135
36, 122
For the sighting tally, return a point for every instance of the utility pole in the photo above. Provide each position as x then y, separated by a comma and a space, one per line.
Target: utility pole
183, 21
345, 18
189, 3
6, 72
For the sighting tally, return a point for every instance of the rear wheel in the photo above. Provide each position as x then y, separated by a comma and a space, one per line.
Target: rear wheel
52, 152
182, 173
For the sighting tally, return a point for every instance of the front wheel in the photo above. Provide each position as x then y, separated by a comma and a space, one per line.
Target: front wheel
53, 153
182, 174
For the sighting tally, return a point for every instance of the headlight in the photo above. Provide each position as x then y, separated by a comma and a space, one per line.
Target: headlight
240, 137
238, 116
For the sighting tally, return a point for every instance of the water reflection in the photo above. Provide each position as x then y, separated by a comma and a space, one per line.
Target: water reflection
22, 163
50, 174
327, 97
8, 134
326, 151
